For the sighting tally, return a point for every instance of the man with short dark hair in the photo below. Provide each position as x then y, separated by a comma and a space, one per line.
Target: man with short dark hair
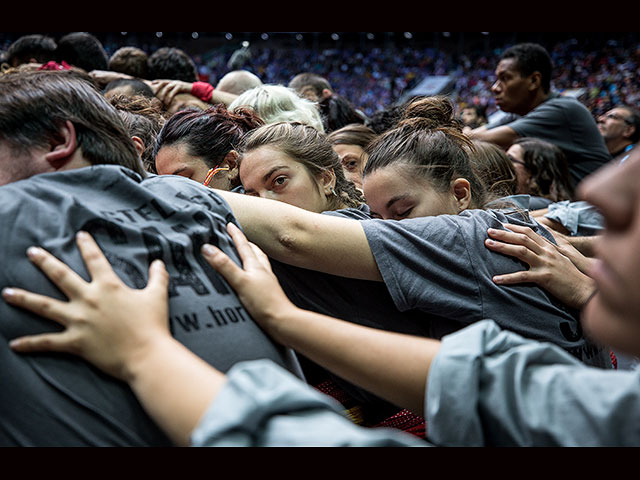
34, 48
620, 129
67, 163
523, 87
82, 50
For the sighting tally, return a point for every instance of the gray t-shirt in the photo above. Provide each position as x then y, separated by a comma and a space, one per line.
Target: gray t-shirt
567, 123
441, 266
60, 400
490, 387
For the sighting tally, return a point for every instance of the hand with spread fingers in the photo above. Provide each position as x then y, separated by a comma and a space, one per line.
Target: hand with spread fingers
256, 285
549, 268
105, 321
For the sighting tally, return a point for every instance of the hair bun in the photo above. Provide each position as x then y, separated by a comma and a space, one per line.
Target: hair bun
430, 113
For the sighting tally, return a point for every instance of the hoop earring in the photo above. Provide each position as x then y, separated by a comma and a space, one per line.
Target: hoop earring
333, 191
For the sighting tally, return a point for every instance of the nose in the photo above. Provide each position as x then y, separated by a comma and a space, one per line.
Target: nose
495, 88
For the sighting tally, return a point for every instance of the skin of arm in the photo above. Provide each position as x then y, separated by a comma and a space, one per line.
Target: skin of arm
295, 236
549, 268
393, 366
502, 136
166, 90
173, 385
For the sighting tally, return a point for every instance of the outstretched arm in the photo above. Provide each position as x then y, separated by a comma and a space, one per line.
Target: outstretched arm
305, 239
391, 365
125, 333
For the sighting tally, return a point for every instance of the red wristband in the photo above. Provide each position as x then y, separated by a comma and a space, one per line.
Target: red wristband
202, 90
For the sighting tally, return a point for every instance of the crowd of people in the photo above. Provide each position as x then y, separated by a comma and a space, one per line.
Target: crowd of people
263, 261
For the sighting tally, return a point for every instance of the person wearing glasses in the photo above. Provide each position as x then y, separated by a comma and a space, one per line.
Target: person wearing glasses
523, 87
620, 129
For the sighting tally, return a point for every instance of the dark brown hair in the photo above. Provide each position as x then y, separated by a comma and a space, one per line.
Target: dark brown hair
428, 141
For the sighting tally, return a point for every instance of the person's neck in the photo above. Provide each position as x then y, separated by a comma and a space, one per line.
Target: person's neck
538, 99
616, 146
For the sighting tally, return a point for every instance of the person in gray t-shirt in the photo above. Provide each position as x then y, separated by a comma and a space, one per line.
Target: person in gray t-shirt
55, 182
523, 87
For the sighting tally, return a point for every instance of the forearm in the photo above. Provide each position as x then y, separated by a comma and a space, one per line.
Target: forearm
502, 136
305, 239
174, 386
391, 365
222, 97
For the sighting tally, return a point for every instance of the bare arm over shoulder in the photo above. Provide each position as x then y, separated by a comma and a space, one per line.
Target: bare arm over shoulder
295, 236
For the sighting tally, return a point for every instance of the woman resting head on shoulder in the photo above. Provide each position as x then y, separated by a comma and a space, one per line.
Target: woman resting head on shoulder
421, 167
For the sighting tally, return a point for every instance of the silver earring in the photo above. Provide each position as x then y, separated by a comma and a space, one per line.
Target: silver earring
333, 192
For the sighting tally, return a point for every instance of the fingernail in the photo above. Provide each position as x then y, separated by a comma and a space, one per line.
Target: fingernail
208, 249
8, 292
33, 252
497, 279
14, 343
489, 241
81, 234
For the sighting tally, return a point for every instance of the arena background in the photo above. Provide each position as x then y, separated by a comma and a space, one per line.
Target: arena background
377, 69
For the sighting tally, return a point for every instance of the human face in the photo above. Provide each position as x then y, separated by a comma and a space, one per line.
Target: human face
612, 317
266, 172
516, 155
353, 159
175, 160
613, 124
469, 116
511, 89
393, 194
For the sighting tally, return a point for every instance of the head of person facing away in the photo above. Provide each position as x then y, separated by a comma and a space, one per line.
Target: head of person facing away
295, 164
541, 168
523, 78
131, 61
127, 86
82, 50
144, 119
169, 63
350, 142
238, 82
422, 167
55, 120
192, 142
277, 103
35, 48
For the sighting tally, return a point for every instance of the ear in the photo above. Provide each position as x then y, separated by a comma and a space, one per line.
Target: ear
230, 160
327, 180
139, 144
461, 190
629, 131
63, 149
535, 81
